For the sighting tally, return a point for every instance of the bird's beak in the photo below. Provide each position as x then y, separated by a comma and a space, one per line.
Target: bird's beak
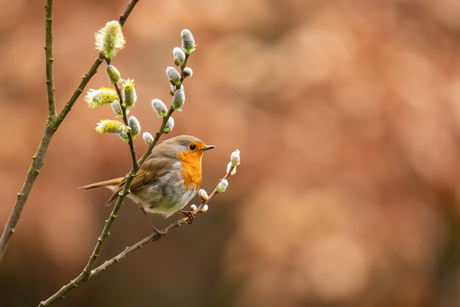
207, 147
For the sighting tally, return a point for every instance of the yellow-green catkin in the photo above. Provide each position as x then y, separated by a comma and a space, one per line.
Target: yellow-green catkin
110, 39
111, 126
129, 93
97, 98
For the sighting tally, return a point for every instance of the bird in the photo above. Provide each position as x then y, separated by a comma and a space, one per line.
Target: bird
168, 179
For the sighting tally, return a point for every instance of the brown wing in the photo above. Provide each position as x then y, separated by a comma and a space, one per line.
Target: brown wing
151, 170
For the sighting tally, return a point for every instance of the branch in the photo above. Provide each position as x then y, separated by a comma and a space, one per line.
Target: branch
128, 10
50, 59
52, 124
128, 250
88, 271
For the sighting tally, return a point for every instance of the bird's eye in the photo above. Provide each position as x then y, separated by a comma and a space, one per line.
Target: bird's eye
192, 147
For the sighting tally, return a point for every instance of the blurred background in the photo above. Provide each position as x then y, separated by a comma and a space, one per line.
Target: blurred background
347, 117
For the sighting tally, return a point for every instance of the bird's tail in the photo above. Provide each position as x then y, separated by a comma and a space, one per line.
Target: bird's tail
109, 184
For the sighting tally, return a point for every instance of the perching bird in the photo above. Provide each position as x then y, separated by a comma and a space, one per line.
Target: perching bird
169, 178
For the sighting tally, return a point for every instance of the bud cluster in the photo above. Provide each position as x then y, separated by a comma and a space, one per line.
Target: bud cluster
109, 40
234, 162
176, 79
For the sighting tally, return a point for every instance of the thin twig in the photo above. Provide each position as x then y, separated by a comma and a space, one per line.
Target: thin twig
154, 236
49, 59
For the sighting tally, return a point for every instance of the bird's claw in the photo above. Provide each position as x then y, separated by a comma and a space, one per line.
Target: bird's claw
188, 214
157, 234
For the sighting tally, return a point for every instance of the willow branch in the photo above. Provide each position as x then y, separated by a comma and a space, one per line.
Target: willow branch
53, 122
127, 11
86, 273
38, 158
49, 59
154, 236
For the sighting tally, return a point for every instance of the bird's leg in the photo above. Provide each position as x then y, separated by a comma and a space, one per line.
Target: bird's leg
188, 214
158, 233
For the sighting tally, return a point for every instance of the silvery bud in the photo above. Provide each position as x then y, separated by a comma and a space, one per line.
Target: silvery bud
204, 209
173, 75
117, 108
113, 73
148, 138
222, 186
188, 42
179, 56
178, 100
159, 107
134, 125
124, 136
203, 195
192, 208
169, 125
188, 72
235, 158
231, 167
174, 88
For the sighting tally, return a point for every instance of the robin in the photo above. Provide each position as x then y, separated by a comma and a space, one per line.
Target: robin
169, 178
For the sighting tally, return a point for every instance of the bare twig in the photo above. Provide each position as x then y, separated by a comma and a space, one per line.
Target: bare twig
50, 59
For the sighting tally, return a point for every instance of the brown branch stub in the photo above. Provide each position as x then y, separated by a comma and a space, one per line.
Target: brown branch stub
127, 11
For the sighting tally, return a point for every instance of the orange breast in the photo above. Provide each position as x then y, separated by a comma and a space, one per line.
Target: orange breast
191, 169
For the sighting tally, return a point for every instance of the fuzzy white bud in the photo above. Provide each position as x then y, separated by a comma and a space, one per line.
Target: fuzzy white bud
188, 42
159, 107
203, 195
169, 125
174, 89
178, 100
192, 208
134, 125
117, 108
173, 75
179, 56
124, 136
148, 138
222, 186
205, 208
229, 167
235, 158
188, 72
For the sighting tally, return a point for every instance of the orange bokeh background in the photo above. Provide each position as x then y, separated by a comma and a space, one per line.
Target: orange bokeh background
347, 116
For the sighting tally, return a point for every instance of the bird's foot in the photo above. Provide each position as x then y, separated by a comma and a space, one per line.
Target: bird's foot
188, 214
157, 234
